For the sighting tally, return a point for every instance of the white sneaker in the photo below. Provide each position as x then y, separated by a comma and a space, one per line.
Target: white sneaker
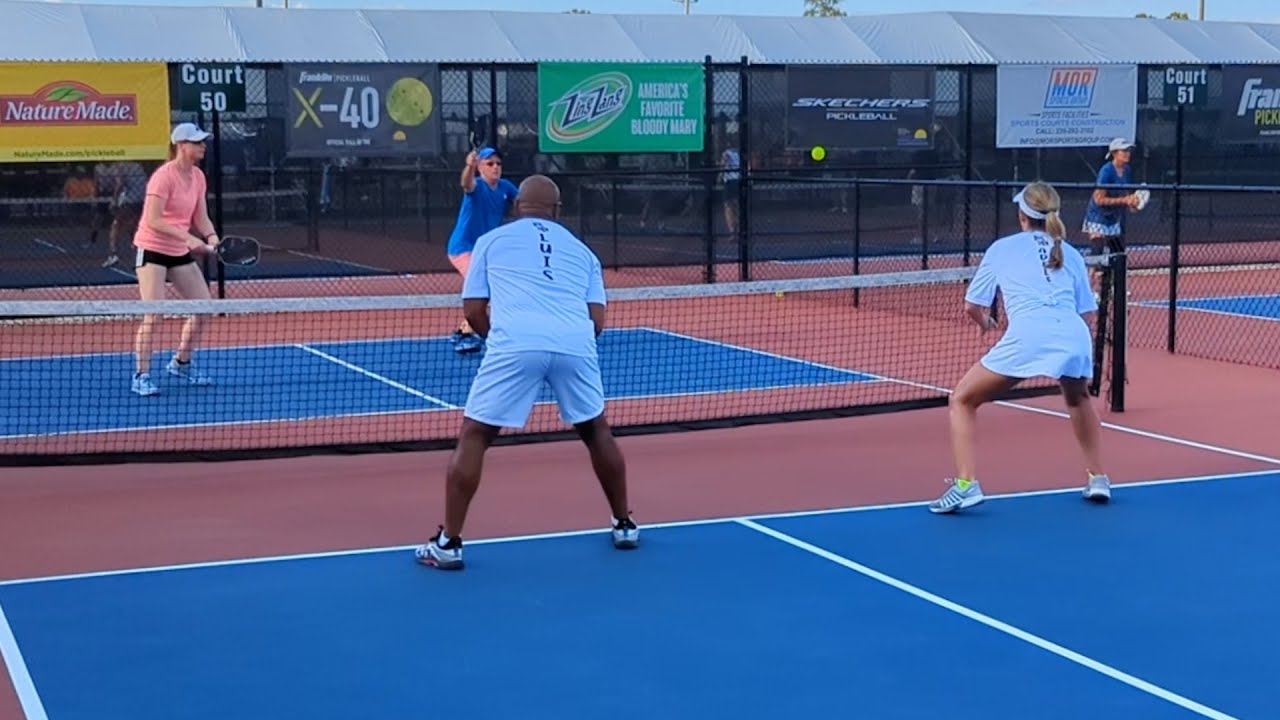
626, 536
442, 557
955, 499
142, 385
1098, 489
188, 371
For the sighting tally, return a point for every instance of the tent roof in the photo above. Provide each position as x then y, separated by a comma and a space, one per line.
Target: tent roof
51, 31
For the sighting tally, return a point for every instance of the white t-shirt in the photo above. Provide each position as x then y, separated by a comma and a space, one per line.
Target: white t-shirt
1016, 265
538, 278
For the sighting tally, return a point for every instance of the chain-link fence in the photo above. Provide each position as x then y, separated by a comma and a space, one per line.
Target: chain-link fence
346, 225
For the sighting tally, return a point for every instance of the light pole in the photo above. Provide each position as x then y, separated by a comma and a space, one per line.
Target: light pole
1201, 10
688, 3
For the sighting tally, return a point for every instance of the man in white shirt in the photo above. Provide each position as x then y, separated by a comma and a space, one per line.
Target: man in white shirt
545, 288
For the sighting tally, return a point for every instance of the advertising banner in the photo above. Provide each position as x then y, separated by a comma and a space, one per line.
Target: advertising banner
1065, 105
365, 110
621, 107
1250, 104
859, 108
78, 112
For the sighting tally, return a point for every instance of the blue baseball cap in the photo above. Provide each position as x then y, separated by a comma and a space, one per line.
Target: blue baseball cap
485, 153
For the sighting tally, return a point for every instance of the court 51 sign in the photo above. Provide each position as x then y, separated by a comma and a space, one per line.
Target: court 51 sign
620, 107
1186, 86
206, 87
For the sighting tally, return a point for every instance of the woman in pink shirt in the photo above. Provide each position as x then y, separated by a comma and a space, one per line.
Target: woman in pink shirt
175, 222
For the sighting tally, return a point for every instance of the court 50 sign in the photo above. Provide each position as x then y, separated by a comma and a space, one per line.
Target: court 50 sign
624, 107
211, 88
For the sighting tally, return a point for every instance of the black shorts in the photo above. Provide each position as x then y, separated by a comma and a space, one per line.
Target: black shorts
731, 190
168, 261
1114, 244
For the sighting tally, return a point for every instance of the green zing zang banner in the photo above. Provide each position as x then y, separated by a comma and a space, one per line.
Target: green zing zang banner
620, 107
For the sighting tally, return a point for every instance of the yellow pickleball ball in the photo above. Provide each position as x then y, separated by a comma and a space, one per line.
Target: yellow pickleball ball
818, 152
409, 102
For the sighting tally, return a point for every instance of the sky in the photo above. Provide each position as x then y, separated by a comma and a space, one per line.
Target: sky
1233, 10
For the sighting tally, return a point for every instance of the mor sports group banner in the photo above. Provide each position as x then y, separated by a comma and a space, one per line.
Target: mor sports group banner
621, 107
362, 109
859, 108
1250, 104
68, 112
1065, 105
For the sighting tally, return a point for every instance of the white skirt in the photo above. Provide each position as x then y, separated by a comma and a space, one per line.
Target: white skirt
1054, 347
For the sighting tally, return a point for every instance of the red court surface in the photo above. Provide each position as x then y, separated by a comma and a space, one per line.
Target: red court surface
1185, 417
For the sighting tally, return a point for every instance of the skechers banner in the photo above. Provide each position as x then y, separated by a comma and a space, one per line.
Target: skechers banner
1250, 104
620, 107
1065, 105
67, 112
859, 108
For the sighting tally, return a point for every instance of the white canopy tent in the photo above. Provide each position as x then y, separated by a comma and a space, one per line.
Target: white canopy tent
48, 31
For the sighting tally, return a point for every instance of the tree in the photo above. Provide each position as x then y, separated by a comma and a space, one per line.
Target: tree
823, 8
1175, 15
577, 11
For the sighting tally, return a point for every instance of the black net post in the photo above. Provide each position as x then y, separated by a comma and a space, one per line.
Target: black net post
709, 161
746, 166
1119, 329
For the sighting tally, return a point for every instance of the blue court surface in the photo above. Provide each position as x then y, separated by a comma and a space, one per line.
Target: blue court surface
90, 393
1158, 606
1265, 307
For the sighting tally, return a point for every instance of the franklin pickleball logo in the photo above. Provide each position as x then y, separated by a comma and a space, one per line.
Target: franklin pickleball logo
68, 102
1262, 102
589, 107
1071, 88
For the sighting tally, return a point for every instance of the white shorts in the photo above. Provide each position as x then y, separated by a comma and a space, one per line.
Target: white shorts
508, 384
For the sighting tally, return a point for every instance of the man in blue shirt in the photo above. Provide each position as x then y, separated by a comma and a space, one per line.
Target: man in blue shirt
546, 291
484, 205
1105, 218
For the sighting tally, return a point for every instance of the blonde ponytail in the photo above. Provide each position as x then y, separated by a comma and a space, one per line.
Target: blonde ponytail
1057, 230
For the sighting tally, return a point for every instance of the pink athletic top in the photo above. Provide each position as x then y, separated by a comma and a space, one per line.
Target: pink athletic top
179, 202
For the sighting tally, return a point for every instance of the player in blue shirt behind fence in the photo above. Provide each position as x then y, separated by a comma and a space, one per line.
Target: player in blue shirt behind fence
484, 206
1104, 220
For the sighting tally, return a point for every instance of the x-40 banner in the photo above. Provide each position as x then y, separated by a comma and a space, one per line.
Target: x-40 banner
621, 107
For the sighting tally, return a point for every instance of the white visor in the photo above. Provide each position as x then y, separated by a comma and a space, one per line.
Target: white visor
1027, 209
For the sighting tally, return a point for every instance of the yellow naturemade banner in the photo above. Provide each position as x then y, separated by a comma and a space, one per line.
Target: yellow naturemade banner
62, 112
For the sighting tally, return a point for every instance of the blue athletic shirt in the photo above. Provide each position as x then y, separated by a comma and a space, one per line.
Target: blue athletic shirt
1111, 214
482, 210
538, 277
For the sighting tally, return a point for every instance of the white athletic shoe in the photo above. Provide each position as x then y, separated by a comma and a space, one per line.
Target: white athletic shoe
955, 499
1098, 489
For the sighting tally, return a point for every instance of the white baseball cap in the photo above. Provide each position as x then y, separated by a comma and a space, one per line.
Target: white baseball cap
1119, 144
188, 132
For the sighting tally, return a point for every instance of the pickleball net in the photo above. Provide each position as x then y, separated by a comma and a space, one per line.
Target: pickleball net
350, 374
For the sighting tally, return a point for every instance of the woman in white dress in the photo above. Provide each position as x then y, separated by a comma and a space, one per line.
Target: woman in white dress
1046, 291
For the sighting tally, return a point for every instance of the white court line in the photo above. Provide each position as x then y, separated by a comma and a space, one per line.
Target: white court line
1005, 403
1206, 311
34, 709
336, 261
700, 522
764, 353
1020, 634
375, 376
19, 675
